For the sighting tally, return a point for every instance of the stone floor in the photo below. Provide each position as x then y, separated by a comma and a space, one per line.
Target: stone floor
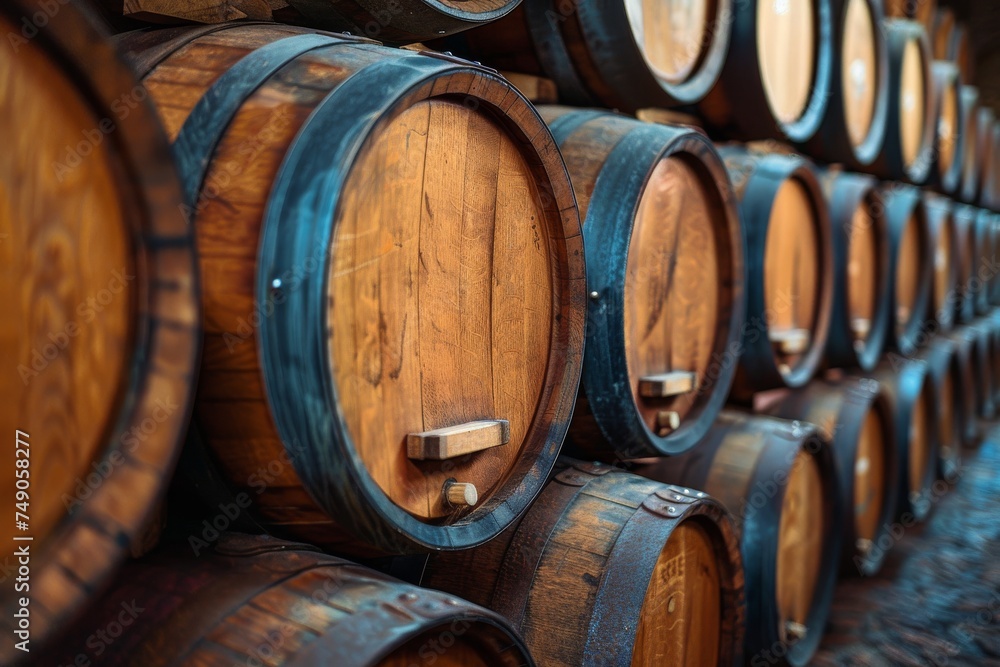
937, 599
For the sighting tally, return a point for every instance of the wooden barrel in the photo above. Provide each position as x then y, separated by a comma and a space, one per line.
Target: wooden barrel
982, 368
915, 410
786, 223
256, 600
992, 264
908, 150
971, 144
609, 568
397, 21
945, 249
777, 76
985, 123
779, 481
946, 169
990, 195
984, 269
621, 55
949, 377
860, 315
854, 126
910, 266
406, 368
968, 281
665, 279
965, 357
100, 341
960, 52
941, 32
855, 416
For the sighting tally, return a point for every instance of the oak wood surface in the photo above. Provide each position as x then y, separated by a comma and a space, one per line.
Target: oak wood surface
786, 52
859, 69
913, 101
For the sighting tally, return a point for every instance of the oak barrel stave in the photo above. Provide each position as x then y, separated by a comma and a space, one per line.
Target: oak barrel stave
949, 129
779, 481
946, 270
100, 345
972, 144
316, 353
634, 604
259, 600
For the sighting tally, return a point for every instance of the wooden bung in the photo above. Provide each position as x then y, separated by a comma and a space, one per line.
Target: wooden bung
860, 315
914, 400
948, 375
966, 384
855, 416
395, 260
908, 150
777, 77
665, 279
854, 126
662, 579
621, 55
945, 249
910, 266
971, 144
99, 347
778, 479
258, 600
949, 131
790, 268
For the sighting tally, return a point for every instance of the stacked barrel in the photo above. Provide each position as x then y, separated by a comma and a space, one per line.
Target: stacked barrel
734, 261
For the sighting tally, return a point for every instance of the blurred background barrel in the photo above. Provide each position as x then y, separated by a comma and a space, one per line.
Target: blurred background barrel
914, 405
948, 129
855, 416
665, 278
258, 600
779, 481
984, 266
860, 316
966, 361
663, 580
907, 152
983, 351
965, 230
985, 122
99, 347
944, 246
911, 266
776, 79
950, 380
854, 125
969, 107
622, 55
362, 357
789, 268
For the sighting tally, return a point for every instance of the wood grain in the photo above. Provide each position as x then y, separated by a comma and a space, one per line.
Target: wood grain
862, 271
909, 270
672, 34
687, 581
869, 476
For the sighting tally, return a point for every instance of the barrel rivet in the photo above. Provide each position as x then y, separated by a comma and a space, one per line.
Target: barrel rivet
701, 494
595, 296
671, 509
795, 631
460, 494
677, 498
864, 545
409, 597
276, 283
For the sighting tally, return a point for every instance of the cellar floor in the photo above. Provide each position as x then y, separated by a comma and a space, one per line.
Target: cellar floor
937, 599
